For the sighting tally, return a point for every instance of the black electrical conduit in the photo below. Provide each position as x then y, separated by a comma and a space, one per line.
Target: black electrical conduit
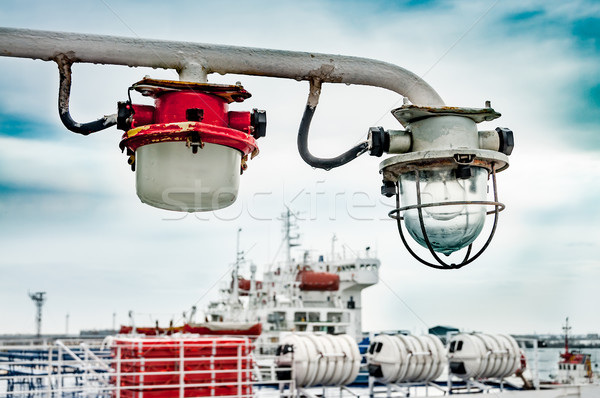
64, 92
322, 163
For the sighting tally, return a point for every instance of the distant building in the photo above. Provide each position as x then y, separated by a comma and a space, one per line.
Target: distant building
96, 333
404, 332
442, 331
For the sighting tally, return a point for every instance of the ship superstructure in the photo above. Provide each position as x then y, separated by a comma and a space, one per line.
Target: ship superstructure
302, 296
574, 367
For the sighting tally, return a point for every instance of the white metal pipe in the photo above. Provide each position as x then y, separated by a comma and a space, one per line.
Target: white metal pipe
195, 60
181, 369
96, 361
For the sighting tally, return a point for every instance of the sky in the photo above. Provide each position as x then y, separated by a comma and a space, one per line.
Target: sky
71, 224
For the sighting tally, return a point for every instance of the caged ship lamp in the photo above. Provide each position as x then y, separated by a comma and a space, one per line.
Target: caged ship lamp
440, 176
188, 149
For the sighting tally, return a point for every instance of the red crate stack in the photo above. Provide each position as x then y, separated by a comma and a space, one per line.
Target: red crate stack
171, 367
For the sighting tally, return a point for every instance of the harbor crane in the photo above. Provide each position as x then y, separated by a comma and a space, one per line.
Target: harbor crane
38, 298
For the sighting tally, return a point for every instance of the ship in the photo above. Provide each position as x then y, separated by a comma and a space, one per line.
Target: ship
296, 331
574, 367
306, 295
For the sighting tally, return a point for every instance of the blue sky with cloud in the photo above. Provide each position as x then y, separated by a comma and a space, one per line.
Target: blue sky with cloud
71, 224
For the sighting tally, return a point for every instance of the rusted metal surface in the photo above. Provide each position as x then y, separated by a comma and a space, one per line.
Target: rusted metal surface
314, 93
190, 113
195, 60
407, 114
155, 87
392, 167
164, 132
64, 91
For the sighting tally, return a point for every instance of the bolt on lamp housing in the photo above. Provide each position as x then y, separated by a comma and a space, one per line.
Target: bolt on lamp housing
441, 184
188, 150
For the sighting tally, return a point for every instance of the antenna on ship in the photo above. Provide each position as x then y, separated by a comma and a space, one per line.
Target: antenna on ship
192, 315
566, 328
239, 258
289, 225
38, 298
333, 240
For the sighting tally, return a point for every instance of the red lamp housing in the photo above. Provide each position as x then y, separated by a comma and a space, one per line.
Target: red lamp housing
188, 150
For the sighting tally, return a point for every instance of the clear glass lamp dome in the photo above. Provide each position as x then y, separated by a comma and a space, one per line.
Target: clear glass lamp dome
449, 221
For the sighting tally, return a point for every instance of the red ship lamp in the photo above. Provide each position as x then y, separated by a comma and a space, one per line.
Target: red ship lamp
188, 150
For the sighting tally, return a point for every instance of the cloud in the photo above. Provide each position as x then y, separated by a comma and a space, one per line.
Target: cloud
523, 16
574, 29
25, 127
46, 165
587, 31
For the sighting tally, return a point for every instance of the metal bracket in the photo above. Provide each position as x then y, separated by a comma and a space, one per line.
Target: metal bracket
194, 141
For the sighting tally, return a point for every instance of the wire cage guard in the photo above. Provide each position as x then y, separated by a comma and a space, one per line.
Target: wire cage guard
397, 215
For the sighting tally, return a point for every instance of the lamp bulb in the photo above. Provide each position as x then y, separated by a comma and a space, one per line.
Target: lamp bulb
448, 227
444, 189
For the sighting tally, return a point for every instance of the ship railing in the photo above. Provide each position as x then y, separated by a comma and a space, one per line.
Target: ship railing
62, 370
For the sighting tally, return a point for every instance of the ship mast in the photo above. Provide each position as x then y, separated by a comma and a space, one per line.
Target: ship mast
333, 240
234, 298
289, 225
566, 328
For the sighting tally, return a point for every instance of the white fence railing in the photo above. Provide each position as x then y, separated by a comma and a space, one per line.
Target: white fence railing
135, 367
170, 370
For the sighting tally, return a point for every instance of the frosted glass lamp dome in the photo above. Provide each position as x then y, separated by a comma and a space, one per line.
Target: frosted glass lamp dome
188, 150
170, 176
